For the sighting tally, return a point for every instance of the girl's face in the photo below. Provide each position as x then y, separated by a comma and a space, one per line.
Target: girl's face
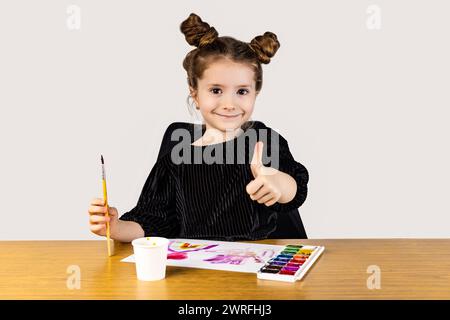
226, 95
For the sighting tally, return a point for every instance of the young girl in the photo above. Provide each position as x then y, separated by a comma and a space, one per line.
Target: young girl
219, 200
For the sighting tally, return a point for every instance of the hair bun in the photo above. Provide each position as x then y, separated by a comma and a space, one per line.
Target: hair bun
265, 46
197, 32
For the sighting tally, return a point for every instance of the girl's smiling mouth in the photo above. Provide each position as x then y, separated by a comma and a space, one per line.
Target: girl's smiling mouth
231, 116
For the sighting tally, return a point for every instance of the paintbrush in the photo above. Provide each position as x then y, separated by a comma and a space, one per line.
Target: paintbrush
105, 198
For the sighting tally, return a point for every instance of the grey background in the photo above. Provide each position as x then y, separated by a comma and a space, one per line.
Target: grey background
366, 111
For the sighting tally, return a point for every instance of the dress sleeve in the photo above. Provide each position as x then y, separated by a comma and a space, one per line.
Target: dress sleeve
155, 210
296, 170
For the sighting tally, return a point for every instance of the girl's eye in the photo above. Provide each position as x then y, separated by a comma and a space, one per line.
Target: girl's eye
245, 90
213, 90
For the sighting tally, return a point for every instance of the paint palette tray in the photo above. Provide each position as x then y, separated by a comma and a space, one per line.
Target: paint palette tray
291, 264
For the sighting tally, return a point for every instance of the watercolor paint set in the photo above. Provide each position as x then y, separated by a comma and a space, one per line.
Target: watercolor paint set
291, 264
267, 261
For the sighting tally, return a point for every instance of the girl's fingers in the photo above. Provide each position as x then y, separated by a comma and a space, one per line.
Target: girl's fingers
97, 227
97, 210
266, 198
271, 202
99, 219
254, 186
260, 193
98, 202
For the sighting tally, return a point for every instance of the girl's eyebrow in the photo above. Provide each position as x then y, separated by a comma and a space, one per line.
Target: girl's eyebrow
239, 86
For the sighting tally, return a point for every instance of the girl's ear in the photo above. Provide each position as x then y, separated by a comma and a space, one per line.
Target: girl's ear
193, 94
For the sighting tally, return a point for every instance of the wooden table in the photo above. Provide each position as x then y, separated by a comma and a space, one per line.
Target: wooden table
410, 269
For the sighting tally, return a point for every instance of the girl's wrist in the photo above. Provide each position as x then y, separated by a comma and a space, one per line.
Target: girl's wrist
288, 187
115, 230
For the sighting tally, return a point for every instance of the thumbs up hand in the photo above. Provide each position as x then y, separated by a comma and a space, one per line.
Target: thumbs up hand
267, 184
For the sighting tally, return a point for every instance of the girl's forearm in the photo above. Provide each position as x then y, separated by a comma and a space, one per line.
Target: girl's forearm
288, 186
127, 231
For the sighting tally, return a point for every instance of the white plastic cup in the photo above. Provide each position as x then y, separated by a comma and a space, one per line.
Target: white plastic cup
150, 254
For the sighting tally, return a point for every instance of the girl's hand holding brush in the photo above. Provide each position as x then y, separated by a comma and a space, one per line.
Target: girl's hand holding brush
98, 218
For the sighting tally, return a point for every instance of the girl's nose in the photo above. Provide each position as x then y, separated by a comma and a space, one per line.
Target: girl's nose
228, 103
229, 107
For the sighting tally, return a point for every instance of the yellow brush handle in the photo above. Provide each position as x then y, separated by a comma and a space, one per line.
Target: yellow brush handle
105, 197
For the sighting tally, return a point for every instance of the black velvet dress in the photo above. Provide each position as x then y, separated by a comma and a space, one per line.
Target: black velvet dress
199, 192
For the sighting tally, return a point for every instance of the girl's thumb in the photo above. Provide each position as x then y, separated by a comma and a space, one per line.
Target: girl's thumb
112, 211
256, 163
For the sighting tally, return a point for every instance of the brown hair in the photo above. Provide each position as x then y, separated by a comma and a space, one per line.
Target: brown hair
211, 47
